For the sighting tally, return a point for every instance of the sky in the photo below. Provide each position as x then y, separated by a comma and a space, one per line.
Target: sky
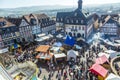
26, 3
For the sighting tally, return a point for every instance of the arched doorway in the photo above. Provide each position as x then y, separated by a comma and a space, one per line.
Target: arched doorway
74, 34
83, 35
70, 33
78, 35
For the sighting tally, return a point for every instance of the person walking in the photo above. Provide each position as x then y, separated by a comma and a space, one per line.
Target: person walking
40, 71
59, 75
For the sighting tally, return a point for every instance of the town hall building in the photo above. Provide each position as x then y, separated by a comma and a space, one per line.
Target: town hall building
78, 23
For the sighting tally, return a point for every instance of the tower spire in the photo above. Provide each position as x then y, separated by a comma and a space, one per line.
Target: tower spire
80, 4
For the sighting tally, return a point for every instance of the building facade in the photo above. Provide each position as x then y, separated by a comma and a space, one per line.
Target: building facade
46, 24
40, 23
109, 26
33, 22
25, 29
78, 23
8, 33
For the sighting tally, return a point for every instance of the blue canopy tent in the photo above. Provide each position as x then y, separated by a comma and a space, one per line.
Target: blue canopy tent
69, 41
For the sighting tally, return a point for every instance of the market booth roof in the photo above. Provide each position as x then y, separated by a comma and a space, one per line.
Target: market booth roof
43, 48
45, 56
15, 46
60, 55
102, 53
99, 70
101, 60
112, 76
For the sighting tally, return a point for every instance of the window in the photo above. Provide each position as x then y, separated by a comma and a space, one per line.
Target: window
82, 28
82, 21
61, 19
75, 14
76, 21
79, 28
57, 19
68, 21
71, 21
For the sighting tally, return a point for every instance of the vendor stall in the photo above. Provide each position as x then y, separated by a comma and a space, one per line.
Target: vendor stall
3, 50
101, 60
72, 54
44, 52
99, 70
4, 74
59, 56
112, 76
102, 53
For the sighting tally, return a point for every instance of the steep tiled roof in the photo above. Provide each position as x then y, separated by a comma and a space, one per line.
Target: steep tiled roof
6, 23
82, 16
27, 18
40, 16
16, 21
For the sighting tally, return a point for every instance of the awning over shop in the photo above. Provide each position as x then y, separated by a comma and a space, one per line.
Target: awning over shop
102, 60
42, 48
112, 76
60, 55
99, 70
4, 50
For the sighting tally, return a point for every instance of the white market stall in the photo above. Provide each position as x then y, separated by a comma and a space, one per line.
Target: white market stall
72, 54
102, 53
57, 44
59, 56
4, 50
4, 74
110, 51
112, 76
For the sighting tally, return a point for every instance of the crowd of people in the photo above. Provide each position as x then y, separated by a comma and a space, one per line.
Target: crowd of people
70, 70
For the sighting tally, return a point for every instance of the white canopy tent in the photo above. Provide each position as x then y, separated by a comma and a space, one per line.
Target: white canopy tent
58, 44
40, 35
61, 55
112, 76
4, 50
102, 53
72, 54
4, 74
55, 49
110, 51
59, 36
43, 37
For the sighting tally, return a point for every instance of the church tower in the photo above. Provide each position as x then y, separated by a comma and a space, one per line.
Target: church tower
80, 4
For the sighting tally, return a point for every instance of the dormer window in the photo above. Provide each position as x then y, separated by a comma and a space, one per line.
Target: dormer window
33, 21
82, 21
68, 21
57, 19
2, 23
61, 19
75, 14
